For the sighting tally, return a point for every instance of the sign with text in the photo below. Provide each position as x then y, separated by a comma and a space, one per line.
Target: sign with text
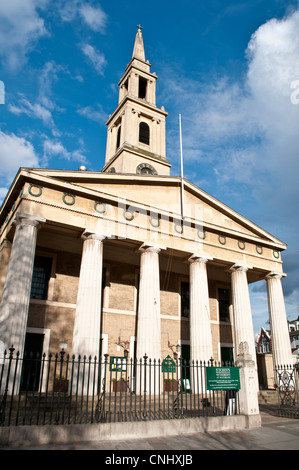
168, 365
118, 364
223, 378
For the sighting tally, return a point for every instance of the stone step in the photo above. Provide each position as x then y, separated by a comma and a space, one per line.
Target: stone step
268, 396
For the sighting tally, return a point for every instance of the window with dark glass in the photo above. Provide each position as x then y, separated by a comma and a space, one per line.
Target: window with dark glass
41, 277
185, 299
224, 303
142, 88
144, 133
118, 137
227, 355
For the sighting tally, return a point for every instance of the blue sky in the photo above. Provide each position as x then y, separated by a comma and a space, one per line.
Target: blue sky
230, 68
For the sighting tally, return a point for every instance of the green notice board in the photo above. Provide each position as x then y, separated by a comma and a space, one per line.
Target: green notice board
118, 364
168, 365
223, 378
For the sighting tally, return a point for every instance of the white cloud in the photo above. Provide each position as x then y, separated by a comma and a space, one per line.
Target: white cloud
93, 113
48, 76
20, 27
247, 133
96, 58
55, 148
273, 65
44, 106
248, 130
95, 18
15, 152
34, 110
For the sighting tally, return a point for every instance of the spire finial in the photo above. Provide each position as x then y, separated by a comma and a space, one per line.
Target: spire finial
138, 52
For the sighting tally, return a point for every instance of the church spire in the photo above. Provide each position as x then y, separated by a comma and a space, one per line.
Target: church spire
136, 129
138, 52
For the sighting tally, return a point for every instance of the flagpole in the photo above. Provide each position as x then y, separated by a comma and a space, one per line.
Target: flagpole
182, 170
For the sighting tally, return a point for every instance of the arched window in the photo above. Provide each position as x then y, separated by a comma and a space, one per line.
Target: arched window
144, 133
118, 137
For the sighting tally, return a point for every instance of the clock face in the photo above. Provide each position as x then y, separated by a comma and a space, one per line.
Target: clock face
146, 169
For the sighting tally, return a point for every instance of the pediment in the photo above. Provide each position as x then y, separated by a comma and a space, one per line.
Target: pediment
161, 194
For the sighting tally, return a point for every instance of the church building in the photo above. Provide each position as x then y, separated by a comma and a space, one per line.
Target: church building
130, 260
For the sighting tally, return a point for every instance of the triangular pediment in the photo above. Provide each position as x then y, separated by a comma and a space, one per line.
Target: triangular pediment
158, 194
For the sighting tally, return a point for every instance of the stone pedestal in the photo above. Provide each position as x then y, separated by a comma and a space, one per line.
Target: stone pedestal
248, 394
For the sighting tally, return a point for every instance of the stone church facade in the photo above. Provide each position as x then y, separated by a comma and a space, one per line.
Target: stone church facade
106, 262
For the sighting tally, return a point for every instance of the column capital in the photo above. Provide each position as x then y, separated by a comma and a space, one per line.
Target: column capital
200, 258
239, 267
275, 275
148, 247
90, 235
27, 219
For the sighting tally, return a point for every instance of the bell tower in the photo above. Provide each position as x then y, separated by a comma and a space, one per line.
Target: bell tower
136, 129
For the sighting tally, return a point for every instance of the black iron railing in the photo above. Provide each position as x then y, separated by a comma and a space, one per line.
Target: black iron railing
287, 382
62, 389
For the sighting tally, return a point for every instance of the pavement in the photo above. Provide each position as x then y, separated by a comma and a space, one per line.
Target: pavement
276, 433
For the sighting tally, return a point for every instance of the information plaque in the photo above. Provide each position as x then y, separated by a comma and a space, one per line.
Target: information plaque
118, 364
223, 378
168, 365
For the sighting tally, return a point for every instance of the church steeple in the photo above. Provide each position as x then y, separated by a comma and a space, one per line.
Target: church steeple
136, 129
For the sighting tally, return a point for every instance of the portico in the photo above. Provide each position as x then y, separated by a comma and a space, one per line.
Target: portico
149, 299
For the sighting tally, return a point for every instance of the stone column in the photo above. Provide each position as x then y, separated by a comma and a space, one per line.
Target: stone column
87, 327
200, 328
148, 321
242, 312
154, 136
16, 294
281, 345
242, 308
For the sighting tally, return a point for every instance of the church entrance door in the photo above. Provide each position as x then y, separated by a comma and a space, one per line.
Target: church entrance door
32, 361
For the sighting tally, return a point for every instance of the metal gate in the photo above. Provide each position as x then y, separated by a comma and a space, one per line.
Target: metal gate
287, 380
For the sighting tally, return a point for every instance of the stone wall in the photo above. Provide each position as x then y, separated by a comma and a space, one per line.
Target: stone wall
120, 299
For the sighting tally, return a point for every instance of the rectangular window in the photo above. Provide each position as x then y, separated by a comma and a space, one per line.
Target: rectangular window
144, 133
224, 303
185, 299
41, 277
142, 88
227, 355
